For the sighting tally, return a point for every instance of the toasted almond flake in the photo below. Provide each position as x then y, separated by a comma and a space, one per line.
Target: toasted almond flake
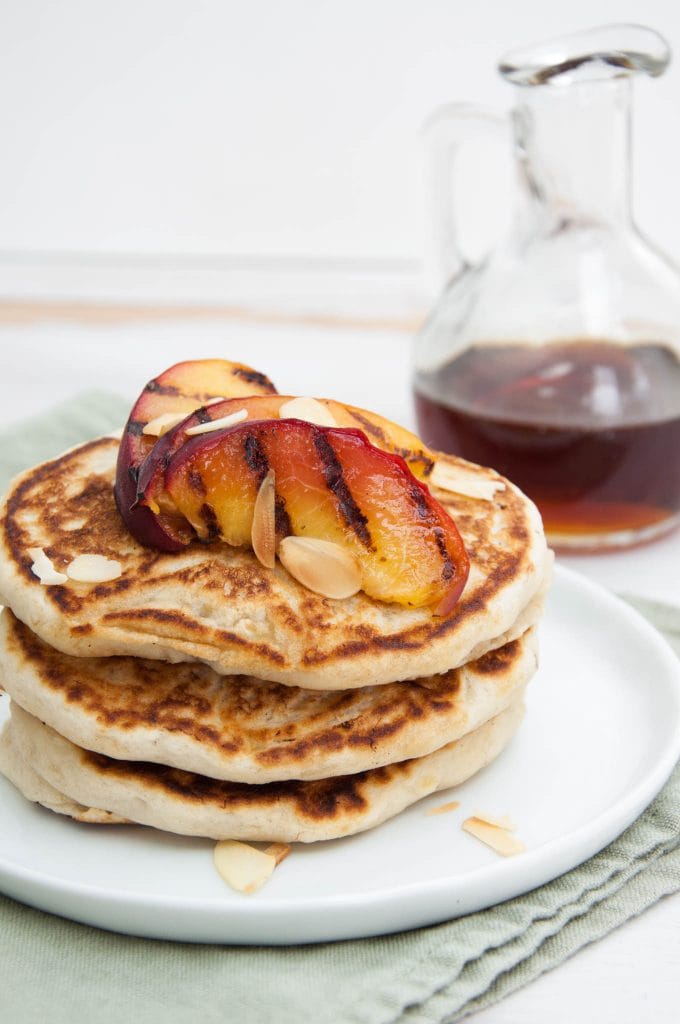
452, 805
459, 480
499, 839
279, 851
321, 565
308, 409
161, 424
89, 568
43, 568
219, 424
243, 867
263, 530
497, 820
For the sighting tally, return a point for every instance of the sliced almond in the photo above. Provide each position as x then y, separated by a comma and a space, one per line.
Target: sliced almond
499, 821
93, 569
161, 424
279, 851
241, 866
263, 530
44, 569
308, 409
321, 565
219, 424
499, 839
452, 805
459, 480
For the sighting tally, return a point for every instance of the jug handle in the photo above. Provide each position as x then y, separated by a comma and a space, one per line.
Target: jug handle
443, 134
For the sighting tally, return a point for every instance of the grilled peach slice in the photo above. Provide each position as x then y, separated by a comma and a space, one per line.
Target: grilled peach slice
331, 484
382, 432
179, 389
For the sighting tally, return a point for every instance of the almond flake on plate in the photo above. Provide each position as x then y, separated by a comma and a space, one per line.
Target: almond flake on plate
243, 867
44, 569
499, 839
279, 851
88, 568
308, 409
462, 481
219, 424
452, 805
498, 820
161, 424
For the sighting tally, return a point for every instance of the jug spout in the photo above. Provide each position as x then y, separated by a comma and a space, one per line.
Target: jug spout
572, 121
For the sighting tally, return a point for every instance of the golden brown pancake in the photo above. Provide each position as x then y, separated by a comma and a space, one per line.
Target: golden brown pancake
191, 804
244, 729
218, 605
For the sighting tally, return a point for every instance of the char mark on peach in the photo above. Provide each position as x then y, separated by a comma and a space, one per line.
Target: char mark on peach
253, 377
196, 482
424, 512
162, 389
256, 459
335, 481
282, 521
209, 517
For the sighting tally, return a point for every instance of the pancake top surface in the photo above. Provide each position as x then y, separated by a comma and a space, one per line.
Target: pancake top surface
219, 605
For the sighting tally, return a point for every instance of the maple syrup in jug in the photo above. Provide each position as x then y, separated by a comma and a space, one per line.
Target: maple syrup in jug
555, 359
583, 428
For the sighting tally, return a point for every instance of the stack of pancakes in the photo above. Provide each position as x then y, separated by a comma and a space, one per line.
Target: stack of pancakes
204, 694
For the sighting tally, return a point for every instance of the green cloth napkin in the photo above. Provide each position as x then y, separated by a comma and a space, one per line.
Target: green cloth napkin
56, 971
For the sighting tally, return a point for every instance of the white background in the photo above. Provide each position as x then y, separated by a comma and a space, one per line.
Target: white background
168, 128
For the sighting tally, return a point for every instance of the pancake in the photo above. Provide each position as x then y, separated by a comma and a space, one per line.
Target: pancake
218, 605
245, 729
36, 789
190, 804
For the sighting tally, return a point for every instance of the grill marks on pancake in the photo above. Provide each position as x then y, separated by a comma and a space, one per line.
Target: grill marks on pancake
273, 726
319, 800
335, 481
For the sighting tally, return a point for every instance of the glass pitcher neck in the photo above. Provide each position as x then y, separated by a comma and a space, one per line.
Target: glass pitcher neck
573, 143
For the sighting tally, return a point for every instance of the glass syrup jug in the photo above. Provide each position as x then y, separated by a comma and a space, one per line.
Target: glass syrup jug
556, 359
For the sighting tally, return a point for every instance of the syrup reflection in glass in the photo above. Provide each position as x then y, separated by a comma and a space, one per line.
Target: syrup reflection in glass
590, 430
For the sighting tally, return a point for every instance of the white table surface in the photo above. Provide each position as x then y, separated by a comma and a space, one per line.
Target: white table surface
631, 975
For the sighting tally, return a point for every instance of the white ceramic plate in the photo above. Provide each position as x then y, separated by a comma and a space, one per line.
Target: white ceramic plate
601, 736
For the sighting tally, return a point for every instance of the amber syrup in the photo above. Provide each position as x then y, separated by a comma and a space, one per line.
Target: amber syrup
589, 429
